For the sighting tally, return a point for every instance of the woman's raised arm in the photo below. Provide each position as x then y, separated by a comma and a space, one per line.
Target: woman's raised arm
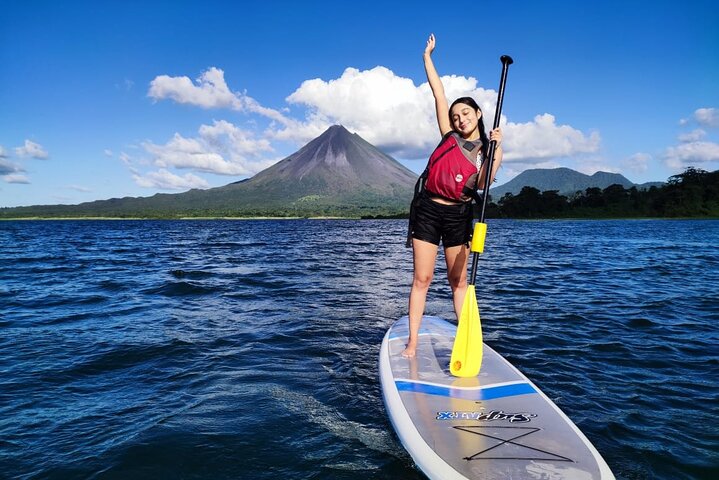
440, 100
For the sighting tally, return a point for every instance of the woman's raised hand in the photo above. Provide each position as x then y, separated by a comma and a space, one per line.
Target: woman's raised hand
496, 136
430, 45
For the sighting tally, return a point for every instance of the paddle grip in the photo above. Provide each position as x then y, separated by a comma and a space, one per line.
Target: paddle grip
506, 62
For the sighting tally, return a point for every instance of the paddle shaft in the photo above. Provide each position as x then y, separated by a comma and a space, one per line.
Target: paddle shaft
506, 62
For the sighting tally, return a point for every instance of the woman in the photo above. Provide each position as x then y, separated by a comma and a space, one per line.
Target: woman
437, 217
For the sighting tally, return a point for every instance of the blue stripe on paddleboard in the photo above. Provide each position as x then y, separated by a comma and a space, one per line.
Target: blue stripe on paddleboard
395, 336
488, 393
422, 331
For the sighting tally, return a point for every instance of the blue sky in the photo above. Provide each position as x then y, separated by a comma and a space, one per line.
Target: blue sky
113, 99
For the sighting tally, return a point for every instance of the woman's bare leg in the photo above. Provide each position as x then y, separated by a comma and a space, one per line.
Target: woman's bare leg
424, 255
456, 258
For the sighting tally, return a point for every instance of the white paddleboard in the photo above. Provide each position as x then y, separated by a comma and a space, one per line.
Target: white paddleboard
497, 425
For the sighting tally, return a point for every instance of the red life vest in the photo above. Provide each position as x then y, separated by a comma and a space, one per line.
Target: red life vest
452, 169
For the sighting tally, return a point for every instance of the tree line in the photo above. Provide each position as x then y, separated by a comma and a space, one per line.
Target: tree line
692, 193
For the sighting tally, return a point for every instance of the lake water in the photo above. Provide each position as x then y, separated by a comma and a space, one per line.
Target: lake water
248, 349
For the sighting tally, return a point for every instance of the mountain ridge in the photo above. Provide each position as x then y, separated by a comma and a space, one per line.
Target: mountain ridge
564, 180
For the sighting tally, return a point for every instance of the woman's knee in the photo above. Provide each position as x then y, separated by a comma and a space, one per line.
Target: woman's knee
422, 280
457, 281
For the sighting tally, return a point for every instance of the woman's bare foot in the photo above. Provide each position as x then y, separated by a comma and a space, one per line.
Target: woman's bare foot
410, 350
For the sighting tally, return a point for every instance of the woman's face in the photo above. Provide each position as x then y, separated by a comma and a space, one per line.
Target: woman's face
465, 119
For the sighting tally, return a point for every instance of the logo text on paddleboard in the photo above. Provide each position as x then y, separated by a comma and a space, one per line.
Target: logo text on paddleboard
490, 416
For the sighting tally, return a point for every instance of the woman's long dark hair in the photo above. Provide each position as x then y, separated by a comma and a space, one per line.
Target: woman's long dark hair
469, 101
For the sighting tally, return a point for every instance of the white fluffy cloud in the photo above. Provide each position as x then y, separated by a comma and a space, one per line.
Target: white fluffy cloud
31, 149
238, 144
692, 154
543, 139
392, 113
708, 117
209, 91
181, 152
221, 148
166, 180
693, 136
387, 110
694, 149
3, 152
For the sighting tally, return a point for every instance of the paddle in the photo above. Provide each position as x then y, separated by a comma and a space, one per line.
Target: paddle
467, 350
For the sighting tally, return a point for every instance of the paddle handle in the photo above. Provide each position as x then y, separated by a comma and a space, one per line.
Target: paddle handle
506, 62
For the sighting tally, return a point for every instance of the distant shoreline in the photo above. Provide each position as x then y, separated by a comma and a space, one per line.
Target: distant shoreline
134, 219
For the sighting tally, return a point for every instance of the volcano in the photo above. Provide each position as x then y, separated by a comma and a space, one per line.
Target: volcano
338, 172
336, 163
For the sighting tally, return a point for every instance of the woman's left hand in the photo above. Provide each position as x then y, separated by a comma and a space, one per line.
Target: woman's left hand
496, 136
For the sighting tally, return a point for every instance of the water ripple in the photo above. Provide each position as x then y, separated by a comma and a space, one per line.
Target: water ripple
200, 349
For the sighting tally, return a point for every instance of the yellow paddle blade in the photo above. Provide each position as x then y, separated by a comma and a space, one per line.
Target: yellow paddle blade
467, 351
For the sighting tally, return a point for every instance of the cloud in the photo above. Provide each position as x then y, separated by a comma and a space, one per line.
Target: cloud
708, 117
79, 188
694, 150
31, 149
399, 117
107, 152
694, 154
125, 85
224, 136
592, 166
181, 152
11, 172
637, 163
125, 158
387, 110
3, 152
368, 102
165, 180
221, 148
15, 178
542, 139
693, 136
210, 91
7, 167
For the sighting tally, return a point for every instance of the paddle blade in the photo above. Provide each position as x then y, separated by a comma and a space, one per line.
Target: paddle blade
467, 351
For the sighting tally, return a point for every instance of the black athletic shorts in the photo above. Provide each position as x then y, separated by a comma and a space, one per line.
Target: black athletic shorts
432, 222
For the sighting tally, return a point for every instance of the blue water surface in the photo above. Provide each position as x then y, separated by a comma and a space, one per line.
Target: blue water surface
225, 349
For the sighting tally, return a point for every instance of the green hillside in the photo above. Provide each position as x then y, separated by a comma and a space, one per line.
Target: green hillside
563, 180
